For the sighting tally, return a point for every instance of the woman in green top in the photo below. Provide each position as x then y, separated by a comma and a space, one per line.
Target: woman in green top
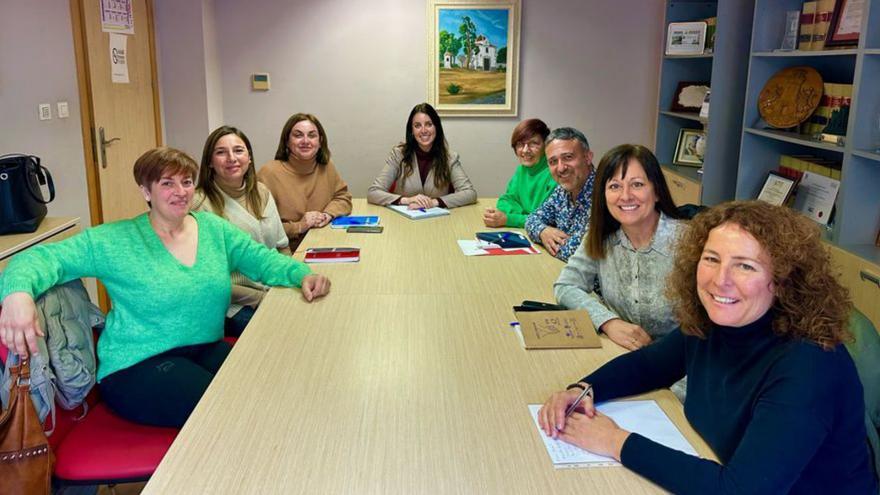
531, 184
167, 275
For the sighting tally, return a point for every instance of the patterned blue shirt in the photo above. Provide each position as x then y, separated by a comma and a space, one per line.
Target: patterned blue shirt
557, 211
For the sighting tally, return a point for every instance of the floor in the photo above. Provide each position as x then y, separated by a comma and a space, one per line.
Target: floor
123, 489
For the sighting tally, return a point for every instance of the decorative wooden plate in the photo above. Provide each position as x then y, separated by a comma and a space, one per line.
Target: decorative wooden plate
790, 96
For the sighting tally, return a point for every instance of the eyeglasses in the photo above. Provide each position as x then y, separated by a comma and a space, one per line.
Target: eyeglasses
532, 145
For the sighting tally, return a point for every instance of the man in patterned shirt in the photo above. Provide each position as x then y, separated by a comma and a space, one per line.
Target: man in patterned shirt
562, 220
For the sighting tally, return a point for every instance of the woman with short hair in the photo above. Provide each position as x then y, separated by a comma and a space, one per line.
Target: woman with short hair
167, 275
422, 172
531, 184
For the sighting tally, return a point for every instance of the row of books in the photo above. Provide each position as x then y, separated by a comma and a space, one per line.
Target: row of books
815, 23
832, 113
794, 166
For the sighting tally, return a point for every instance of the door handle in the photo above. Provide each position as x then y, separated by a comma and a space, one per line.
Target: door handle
104, 143
869, 277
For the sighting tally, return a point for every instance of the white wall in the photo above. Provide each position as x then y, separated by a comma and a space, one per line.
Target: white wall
360, 67
37, 65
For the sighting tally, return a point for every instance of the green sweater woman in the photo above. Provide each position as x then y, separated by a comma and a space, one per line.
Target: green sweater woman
531, 184
167, 275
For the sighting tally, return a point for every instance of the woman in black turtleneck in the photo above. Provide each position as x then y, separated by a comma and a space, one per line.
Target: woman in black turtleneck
422, 172
770, 387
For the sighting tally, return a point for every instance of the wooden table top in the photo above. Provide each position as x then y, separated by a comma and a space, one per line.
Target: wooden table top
50, 227
405, 379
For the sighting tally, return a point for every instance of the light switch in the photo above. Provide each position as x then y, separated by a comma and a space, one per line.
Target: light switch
63, 110
45, 111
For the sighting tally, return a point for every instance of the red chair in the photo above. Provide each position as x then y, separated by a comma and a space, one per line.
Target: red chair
102, 448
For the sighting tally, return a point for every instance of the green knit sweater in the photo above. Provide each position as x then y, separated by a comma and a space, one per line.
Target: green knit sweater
527, 190
158, 303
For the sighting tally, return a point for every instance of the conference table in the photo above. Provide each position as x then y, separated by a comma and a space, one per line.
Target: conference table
406, 378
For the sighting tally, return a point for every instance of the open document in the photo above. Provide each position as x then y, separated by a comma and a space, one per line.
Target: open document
638, 416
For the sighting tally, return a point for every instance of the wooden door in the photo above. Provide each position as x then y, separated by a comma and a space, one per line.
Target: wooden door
128, 112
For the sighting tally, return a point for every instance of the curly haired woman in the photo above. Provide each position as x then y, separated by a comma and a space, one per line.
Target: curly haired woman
770, 387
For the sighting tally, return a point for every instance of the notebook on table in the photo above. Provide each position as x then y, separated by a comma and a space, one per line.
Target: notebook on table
354, 221
505, 239
333, 255
420, 213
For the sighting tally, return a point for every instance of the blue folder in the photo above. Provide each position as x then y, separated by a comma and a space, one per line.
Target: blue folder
351, 221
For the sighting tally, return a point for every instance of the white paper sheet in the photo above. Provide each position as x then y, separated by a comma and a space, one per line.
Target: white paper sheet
118, 58
482, 248
639, 416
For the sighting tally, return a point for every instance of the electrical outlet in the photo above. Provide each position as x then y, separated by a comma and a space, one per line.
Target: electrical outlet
63, 110
45, 111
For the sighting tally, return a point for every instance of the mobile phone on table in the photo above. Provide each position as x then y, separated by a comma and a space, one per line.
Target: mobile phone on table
364, 229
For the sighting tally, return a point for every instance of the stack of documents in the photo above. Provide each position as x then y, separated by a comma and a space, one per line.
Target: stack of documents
419, 213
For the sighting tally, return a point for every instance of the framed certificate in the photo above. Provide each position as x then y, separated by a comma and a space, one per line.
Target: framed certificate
777, 189
846, 23
685, 38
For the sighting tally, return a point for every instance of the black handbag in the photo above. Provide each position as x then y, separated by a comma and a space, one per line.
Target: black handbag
22, 206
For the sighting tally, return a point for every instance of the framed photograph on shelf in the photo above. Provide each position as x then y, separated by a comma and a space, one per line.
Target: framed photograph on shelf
846, 23
689, 96
685, 38
473, 57
690, 148
777, 189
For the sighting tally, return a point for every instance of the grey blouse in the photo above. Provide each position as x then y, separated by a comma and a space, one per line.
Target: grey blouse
632, 281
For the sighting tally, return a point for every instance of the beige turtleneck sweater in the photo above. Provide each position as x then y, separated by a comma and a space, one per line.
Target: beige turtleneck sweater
299, 187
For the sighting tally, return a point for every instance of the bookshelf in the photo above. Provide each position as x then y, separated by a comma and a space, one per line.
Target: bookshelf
857, 217
726, 71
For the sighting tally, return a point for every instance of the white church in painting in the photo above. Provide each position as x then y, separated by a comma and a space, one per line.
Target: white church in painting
485, 58
486, 54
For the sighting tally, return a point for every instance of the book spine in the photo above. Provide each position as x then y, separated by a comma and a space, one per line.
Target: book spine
821, 22
808, 14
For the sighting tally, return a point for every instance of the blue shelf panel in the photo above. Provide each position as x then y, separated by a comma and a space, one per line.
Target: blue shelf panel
799, 53
685, 115
790, 137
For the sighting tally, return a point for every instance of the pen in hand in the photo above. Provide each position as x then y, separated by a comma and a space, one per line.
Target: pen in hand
576, 403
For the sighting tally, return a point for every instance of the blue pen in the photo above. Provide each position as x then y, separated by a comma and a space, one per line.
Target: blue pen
422, 210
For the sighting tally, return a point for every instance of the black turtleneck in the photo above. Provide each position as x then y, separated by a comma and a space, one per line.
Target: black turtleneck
782, 415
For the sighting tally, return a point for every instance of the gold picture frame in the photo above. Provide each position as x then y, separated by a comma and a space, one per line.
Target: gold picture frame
688, 150
473, 57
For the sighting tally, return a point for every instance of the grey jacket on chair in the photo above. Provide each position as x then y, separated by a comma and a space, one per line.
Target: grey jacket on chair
378, 193
64, 369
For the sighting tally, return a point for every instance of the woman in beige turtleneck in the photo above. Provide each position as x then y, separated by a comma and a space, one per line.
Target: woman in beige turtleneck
228, 187
307, 188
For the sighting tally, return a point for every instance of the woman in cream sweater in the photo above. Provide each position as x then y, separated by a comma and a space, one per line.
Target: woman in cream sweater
228, 187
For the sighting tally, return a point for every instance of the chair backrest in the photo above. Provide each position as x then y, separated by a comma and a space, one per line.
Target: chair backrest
865, 352
689, 211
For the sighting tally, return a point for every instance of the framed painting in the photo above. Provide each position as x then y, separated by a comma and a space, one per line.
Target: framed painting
473, 57
690, 148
